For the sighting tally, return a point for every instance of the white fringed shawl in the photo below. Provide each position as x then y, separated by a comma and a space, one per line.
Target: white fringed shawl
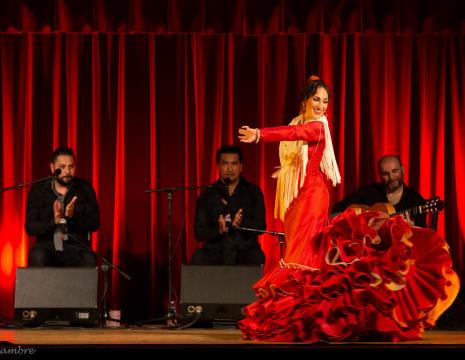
293, 156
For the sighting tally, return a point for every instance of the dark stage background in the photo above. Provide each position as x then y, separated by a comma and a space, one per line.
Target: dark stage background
146, 91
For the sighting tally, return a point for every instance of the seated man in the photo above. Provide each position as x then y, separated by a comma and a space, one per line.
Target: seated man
61, 212
229, 204
391, 190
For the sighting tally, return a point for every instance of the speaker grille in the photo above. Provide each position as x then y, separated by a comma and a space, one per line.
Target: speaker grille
46, 287
217, 292
56, 294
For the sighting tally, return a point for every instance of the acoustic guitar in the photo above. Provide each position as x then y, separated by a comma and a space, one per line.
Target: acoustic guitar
431, 206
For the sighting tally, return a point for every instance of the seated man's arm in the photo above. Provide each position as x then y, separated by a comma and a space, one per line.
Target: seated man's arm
415, 199
39, 217
255, 216
205, 229
368, 195
420, 220
86, 214
358, 197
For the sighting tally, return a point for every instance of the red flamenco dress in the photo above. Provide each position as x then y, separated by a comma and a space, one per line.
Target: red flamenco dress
363, 276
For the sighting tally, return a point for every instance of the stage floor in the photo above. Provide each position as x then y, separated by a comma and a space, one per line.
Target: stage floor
158, 338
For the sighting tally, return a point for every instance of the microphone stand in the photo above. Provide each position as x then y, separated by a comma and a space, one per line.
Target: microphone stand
105, 267
279, 235
21, 185
171, 313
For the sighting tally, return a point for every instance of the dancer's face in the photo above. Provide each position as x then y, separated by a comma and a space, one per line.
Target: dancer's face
315, 106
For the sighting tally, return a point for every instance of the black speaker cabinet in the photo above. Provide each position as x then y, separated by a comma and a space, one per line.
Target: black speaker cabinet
66, 295
217, 293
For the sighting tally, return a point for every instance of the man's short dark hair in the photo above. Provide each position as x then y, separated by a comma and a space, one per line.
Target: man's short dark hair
229, 149
394, 156
62, 150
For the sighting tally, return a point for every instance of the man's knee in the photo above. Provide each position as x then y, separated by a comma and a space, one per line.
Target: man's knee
38, 257
203, 257
254, 256
89, 259
198, 258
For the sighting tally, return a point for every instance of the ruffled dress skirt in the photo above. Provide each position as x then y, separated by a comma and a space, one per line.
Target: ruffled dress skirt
378, 279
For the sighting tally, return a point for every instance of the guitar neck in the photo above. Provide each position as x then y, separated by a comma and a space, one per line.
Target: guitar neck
417, 210
431, 206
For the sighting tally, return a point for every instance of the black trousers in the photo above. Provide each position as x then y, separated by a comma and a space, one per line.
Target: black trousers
43, 253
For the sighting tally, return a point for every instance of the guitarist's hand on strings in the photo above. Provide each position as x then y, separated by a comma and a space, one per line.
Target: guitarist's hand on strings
408, 219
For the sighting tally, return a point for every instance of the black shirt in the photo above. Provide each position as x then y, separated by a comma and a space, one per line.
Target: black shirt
39, 211
215, 201
375, 193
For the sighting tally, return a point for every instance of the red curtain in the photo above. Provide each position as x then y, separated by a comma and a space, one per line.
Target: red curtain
148, 110
234, 16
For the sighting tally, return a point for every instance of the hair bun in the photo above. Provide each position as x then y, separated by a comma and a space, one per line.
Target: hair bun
313, 78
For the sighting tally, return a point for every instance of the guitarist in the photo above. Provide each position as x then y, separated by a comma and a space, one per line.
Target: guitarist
391, 189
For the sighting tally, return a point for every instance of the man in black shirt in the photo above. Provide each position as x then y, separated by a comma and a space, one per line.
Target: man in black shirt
222, 209
391, 190
61, 212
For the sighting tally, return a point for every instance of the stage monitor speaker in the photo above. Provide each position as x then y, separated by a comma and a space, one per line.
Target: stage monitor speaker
61, 295
217, 293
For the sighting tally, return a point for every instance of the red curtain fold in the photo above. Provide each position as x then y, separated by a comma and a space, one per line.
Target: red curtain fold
148, 111
234, 16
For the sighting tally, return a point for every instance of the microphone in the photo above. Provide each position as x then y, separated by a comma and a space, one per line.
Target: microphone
223, 184
228, 221
63, 227
56, 173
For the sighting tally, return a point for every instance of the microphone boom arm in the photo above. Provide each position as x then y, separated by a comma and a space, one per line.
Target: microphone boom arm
21, 185
279, 235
